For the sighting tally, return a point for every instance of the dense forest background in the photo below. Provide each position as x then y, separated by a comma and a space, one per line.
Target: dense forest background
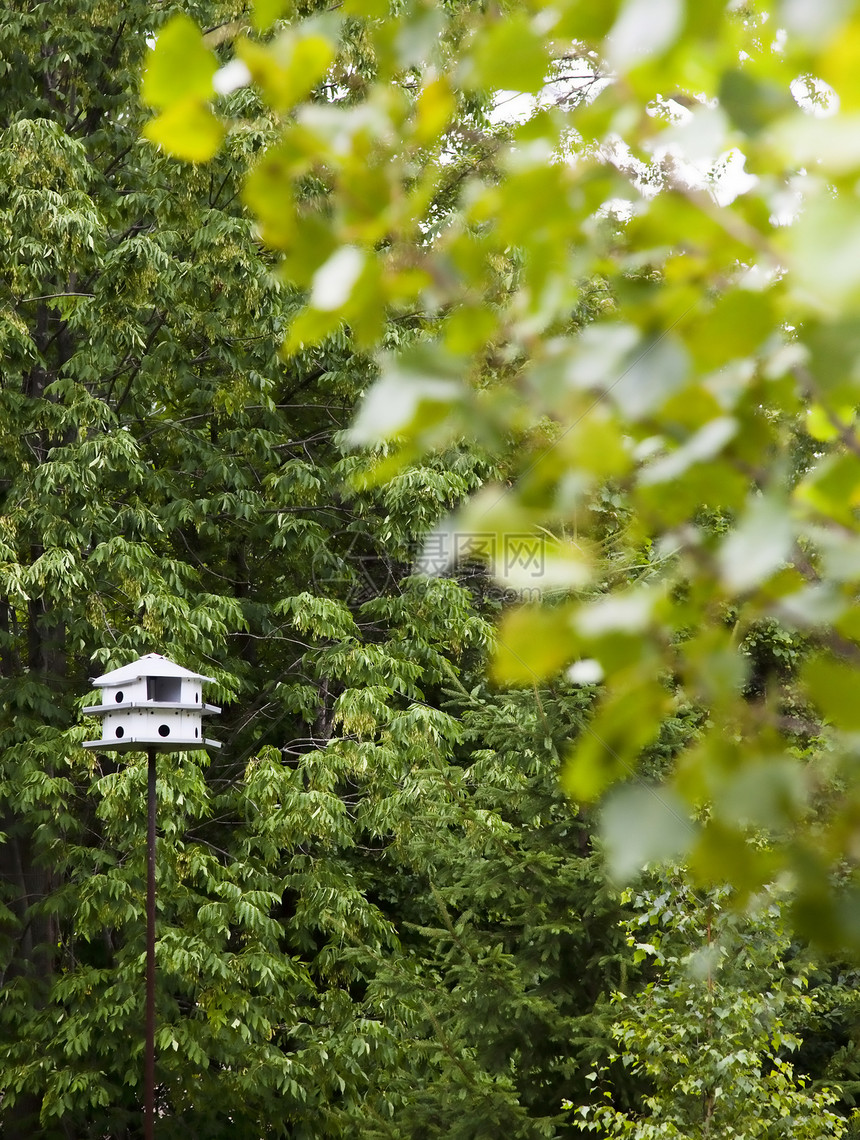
380, 915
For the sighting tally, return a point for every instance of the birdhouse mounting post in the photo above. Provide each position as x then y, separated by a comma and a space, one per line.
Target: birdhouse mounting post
152, 705
149, 1033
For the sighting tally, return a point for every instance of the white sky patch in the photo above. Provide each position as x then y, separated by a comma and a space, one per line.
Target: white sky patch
231, 77
756, 278
814, 96
695, 148
787, 202
334, 280
576, 80
512, 107
585, 672
670, 109
618, 209
729, 179
643, 28
643, 177
699, 134
693, 152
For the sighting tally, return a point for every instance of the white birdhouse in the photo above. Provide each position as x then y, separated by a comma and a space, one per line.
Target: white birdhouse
151, 704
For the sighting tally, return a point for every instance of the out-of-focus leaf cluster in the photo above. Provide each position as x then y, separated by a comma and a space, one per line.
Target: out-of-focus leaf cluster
629, 237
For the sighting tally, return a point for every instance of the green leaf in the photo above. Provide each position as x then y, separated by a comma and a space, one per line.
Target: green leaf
333, 282
180, 66
834, 357
752, 103
767, 792
824, 250
703, 445
627, 719
644, 28
830, 145
267, 11
723, 853
416, 388
638, 374
267, 192
289, 68
531, 646
187, 130
511, 56
832, 488
832, 685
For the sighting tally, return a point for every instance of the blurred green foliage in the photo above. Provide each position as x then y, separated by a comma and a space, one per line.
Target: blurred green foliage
482, 168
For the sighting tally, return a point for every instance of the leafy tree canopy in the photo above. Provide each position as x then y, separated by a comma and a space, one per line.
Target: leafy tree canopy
370, 902
713, 1032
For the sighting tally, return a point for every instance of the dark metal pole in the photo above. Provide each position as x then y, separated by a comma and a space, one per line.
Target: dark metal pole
149, 1061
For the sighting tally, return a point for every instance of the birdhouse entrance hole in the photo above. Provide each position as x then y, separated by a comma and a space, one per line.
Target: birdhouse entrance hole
166, 690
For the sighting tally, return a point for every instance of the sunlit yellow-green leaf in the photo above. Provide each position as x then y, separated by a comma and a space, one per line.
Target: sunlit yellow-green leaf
532, 645
825, 425
511, 56
267, 11
434, 109
187, 130
627, 719
179, 67
369, 9
832, 685
289, 67
309, 328
837, 64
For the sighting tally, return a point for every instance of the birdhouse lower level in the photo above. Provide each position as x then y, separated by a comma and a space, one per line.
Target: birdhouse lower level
174, 728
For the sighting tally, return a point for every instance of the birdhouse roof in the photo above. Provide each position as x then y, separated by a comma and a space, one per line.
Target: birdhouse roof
150, 665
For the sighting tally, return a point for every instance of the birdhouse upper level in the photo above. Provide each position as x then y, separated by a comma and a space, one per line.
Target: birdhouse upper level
151, 703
